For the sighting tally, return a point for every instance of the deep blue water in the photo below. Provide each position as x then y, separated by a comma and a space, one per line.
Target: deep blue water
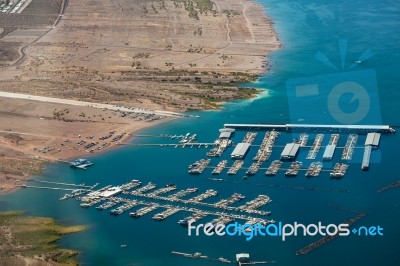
305, 28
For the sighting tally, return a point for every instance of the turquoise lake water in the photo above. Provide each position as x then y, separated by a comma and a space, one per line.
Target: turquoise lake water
305, 28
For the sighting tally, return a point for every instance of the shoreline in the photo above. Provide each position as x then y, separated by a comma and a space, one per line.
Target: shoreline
255, 42
126, 139
17, 249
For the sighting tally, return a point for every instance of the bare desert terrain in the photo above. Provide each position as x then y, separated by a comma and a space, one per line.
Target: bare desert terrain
189, 51
173, 55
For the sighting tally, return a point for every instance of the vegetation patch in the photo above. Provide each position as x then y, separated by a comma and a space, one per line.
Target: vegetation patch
33, 239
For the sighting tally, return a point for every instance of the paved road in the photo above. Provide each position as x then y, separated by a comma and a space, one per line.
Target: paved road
22, 53
89, 104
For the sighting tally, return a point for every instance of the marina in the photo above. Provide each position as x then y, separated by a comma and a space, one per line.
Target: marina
144, 189
237, 165
221, 166
303, 139
265, 150
253, 169
109, 204
134, 183
208, 194
273, 168
314, 169
107, 198
290, 150
195, 217
236, 197
144, 211
253, 205
250, 137
330, 148
166, 189
165, 214
222, 143
182, 193
371, 142
366, 157
126, 207
73, 194
339, 170
312, 154
293, 169
349, 147
199, 166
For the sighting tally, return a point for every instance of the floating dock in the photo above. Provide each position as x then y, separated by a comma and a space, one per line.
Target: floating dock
208, 194
372, 141
109, 204
121, 209
144, 211
198, 166
366, 157
165, 214
236, 197
144, 189
349, 147
273, 168
303, 139
222, 142
182, 193
265, 150
221, 166
314, 169
253, 205
312, 127
237, 165
339, 170
223, 206
293, 169
329, 152
253, 169
312, 154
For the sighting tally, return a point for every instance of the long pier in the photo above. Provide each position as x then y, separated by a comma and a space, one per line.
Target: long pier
312, 127
390, 186
174, 145
59, 183
50, 188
